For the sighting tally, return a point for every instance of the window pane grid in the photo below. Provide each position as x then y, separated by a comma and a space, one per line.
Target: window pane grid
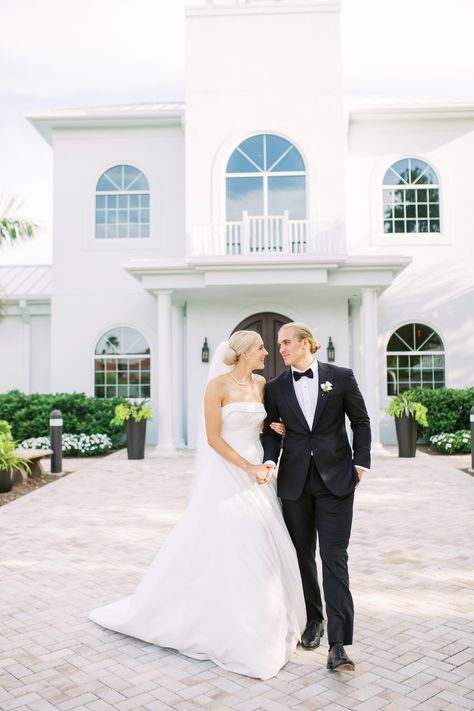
123, 213
406, 370
411, 199
122, 374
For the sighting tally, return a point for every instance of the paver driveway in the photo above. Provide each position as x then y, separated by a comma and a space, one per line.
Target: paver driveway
85, 539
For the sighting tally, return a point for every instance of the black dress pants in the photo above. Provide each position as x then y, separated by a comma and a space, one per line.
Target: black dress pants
320, 514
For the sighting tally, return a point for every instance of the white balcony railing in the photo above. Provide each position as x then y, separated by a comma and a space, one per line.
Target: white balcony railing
269, 235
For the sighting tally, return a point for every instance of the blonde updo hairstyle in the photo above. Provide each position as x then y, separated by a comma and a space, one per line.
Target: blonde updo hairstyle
239, 342
302, 331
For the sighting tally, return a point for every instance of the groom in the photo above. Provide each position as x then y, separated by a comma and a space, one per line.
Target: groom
317, 476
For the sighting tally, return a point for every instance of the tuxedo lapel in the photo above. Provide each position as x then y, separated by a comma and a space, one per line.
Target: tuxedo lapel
324, 375
290, 397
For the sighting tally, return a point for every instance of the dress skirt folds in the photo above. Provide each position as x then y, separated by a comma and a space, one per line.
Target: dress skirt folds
225, 585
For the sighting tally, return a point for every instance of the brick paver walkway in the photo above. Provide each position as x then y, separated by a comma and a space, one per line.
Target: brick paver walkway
85, 540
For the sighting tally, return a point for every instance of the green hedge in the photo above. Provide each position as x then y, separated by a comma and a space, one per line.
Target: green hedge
448, 409
28, 415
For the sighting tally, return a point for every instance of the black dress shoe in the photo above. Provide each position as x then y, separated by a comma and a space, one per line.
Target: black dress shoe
338, 659
311, 637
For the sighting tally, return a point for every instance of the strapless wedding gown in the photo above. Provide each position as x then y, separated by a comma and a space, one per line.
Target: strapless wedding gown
225, 585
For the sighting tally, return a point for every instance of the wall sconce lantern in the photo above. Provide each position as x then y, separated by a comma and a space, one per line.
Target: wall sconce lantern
331, 351
205, 352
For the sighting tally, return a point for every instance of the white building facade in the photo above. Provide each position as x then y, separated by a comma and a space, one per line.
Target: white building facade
265, 197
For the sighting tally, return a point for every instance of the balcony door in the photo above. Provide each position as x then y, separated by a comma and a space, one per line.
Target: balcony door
267, 325
265, 195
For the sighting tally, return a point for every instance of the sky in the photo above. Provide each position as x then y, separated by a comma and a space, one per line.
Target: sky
70, 53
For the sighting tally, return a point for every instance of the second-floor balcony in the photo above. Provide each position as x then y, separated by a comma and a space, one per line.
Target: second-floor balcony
268, 236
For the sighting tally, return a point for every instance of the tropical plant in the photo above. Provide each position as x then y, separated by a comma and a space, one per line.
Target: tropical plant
10, 461
138, 411
5, 428
405, 404
14, 227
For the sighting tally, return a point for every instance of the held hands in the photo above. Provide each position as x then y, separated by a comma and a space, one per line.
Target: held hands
279, 427
262, 472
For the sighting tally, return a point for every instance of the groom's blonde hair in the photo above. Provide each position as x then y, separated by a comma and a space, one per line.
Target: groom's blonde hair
302, 331
240, 342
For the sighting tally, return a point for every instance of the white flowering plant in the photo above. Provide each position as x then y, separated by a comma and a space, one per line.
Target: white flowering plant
81, 445
452, 442
326, 387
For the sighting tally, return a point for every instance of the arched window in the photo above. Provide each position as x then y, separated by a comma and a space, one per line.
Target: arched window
415, 358
411, 198
265, 176
122, 364
122, 204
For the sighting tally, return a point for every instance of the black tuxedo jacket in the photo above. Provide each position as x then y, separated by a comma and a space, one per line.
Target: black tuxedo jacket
326, 439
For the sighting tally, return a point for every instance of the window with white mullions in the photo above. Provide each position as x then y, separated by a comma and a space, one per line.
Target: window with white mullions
415, 358
122, 364
122, 204
411, 202
265, 185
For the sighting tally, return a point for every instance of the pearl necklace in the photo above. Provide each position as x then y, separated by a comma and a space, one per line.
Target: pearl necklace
238, 381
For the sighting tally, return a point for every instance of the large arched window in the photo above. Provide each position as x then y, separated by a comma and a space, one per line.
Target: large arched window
122, 204
415, 358
122, 364
411, 198
266, 176
265, 189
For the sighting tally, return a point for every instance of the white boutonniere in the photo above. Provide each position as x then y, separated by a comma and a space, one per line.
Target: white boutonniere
326, 387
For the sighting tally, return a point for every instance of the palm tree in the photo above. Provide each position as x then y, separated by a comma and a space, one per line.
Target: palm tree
13, 227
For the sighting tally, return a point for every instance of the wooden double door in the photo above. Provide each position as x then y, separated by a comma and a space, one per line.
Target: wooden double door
267, 325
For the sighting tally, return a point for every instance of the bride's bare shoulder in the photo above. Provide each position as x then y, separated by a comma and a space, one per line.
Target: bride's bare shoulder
217, 384
259, 378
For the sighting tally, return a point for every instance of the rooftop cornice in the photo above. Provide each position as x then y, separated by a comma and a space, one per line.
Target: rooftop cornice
392, 111
263, 7
136, 115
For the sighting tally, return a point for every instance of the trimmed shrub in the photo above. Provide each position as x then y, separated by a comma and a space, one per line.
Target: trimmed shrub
450, 443
448, 409
28, 415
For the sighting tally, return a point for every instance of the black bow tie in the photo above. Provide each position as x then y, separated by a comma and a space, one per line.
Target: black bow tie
308, 373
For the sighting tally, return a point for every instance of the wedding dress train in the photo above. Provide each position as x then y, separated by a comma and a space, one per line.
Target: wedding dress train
225, 585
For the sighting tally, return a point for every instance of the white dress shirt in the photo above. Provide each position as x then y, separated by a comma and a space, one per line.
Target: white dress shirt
306, 390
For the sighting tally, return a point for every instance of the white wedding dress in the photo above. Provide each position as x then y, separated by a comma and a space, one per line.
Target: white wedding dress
225, 585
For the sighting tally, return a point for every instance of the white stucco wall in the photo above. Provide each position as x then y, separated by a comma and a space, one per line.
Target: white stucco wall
437, 288
91, 291
249, 72
12, 344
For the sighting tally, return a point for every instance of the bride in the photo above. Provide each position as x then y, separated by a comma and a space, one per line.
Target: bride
225, 585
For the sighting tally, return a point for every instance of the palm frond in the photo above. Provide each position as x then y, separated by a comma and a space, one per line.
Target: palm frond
14, 227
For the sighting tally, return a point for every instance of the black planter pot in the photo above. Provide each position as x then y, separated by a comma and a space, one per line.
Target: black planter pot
6, 481
136, 432
406, 435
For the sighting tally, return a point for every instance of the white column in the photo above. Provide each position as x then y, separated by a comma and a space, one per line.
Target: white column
163, 371
370, 362
177, 327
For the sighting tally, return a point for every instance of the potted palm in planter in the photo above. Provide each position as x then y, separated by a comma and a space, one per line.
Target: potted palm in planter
408, 414
10, 462
134, 415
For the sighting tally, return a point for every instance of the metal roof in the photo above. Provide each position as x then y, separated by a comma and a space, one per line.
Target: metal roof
26, 282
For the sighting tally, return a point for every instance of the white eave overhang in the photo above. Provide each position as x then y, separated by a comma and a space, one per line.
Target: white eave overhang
134, 115
358, 271
407, 111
